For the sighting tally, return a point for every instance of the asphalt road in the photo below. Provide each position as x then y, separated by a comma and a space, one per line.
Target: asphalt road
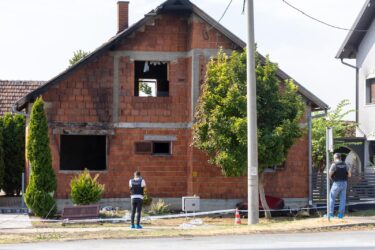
327, 240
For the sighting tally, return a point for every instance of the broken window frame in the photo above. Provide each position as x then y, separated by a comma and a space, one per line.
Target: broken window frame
75, 169
161, 82
152, 147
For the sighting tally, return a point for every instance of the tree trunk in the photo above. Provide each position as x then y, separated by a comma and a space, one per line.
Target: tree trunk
262, 196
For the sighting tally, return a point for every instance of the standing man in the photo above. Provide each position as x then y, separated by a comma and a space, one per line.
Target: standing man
136, 185
339, 173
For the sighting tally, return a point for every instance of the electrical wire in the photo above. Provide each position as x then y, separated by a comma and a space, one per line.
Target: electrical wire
320, 21
222, 16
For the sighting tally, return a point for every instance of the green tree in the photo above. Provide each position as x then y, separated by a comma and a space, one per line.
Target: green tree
77, 56
341, 128
145, 88
42, 181
221, 123
85, 190
14, 152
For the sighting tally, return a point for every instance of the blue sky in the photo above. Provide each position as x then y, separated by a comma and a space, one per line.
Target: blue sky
37, 37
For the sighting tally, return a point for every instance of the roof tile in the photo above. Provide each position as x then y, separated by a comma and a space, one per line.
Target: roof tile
12, 91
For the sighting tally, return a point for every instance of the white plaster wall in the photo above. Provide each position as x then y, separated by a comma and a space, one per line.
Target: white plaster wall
366, 65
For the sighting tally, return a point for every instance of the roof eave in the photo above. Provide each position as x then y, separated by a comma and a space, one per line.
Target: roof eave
352, 39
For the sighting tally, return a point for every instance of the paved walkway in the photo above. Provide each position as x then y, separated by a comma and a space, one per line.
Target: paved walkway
14, 222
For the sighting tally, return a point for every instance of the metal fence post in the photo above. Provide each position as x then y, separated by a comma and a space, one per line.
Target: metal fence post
23, 190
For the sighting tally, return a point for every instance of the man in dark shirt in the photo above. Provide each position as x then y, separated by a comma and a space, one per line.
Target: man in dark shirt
136, 185
339, 173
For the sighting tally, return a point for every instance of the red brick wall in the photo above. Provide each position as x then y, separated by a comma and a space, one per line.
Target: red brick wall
86, 95
289, 182
173, 108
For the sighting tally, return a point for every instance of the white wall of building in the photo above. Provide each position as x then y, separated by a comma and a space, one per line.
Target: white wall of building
366, 65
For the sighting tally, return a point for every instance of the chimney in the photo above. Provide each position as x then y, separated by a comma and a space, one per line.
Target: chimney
122, 15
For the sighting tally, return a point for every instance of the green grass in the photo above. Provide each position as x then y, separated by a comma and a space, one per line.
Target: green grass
364, 213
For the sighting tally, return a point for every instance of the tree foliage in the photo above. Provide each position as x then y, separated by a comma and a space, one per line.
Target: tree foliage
13, 133
221, 123
42, 181
341, 128
85, 190
77, 56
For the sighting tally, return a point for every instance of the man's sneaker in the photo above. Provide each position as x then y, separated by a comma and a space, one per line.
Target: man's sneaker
340, 216
139, 226
329, 216
132, 227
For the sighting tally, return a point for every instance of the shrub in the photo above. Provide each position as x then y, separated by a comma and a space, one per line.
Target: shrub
147, 199
42, 180
159, 207
85, 190
13, 131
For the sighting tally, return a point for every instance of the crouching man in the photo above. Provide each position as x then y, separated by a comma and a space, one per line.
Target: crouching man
136, 185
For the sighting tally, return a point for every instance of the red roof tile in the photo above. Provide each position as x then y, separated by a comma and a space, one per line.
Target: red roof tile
12, 91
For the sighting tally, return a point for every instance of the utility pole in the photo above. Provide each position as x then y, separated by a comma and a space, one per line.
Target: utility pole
252, 140
329, 148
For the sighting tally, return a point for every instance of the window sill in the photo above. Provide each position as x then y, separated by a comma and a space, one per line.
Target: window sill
161, 155
80, 171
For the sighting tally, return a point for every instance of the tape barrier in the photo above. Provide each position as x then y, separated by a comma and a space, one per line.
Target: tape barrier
171, 216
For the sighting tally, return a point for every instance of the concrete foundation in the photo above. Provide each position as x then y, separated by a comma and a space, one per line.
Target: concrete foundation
176, 203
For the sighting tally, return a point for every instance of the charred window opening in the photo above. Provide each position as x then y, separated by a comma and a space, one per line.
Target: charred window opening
78, 152
143, 147
151, 78
153, 148
161, 148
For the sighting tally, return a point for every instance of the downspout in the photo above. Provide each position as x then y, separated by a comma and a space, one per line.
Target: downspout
356, 88
309, 121
15, 111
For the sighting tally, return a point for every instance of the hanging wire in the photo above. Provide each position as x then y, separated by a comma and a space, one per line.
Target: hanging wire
320, 21
222, 16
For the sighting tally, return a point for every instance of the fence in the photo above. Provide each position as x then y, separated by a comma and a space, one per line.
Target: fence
361, 187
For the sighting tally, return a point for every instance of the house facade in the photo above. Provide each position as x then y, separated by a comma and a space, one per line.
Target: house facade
129, 105
360, 45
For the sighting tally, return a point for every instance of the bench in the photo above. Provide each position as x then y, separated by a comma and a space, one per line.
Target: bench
81, 212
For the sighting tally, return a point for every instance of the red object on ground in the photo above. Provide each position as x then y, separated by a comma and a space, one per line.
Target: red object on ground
237, 217
274, 203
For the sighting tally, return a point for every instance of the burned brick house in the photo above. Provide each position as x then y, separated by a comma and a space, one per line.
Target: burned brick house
129, 105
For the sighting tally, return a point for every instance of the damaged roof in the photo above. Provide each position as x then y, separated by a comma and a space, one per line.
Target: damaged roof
358, 31
11, 91
175, 6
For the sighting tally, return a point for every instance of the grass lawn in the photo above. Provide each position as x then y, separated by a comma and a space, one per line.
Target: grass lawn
365, 213
171, 228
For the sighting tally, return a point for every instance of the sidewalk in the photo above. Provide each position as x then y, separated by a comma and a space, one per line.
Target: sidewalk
15, 222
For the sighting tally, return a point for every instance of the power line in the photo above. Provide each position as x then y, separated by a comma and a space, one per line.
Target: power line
320, 21
222, 16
